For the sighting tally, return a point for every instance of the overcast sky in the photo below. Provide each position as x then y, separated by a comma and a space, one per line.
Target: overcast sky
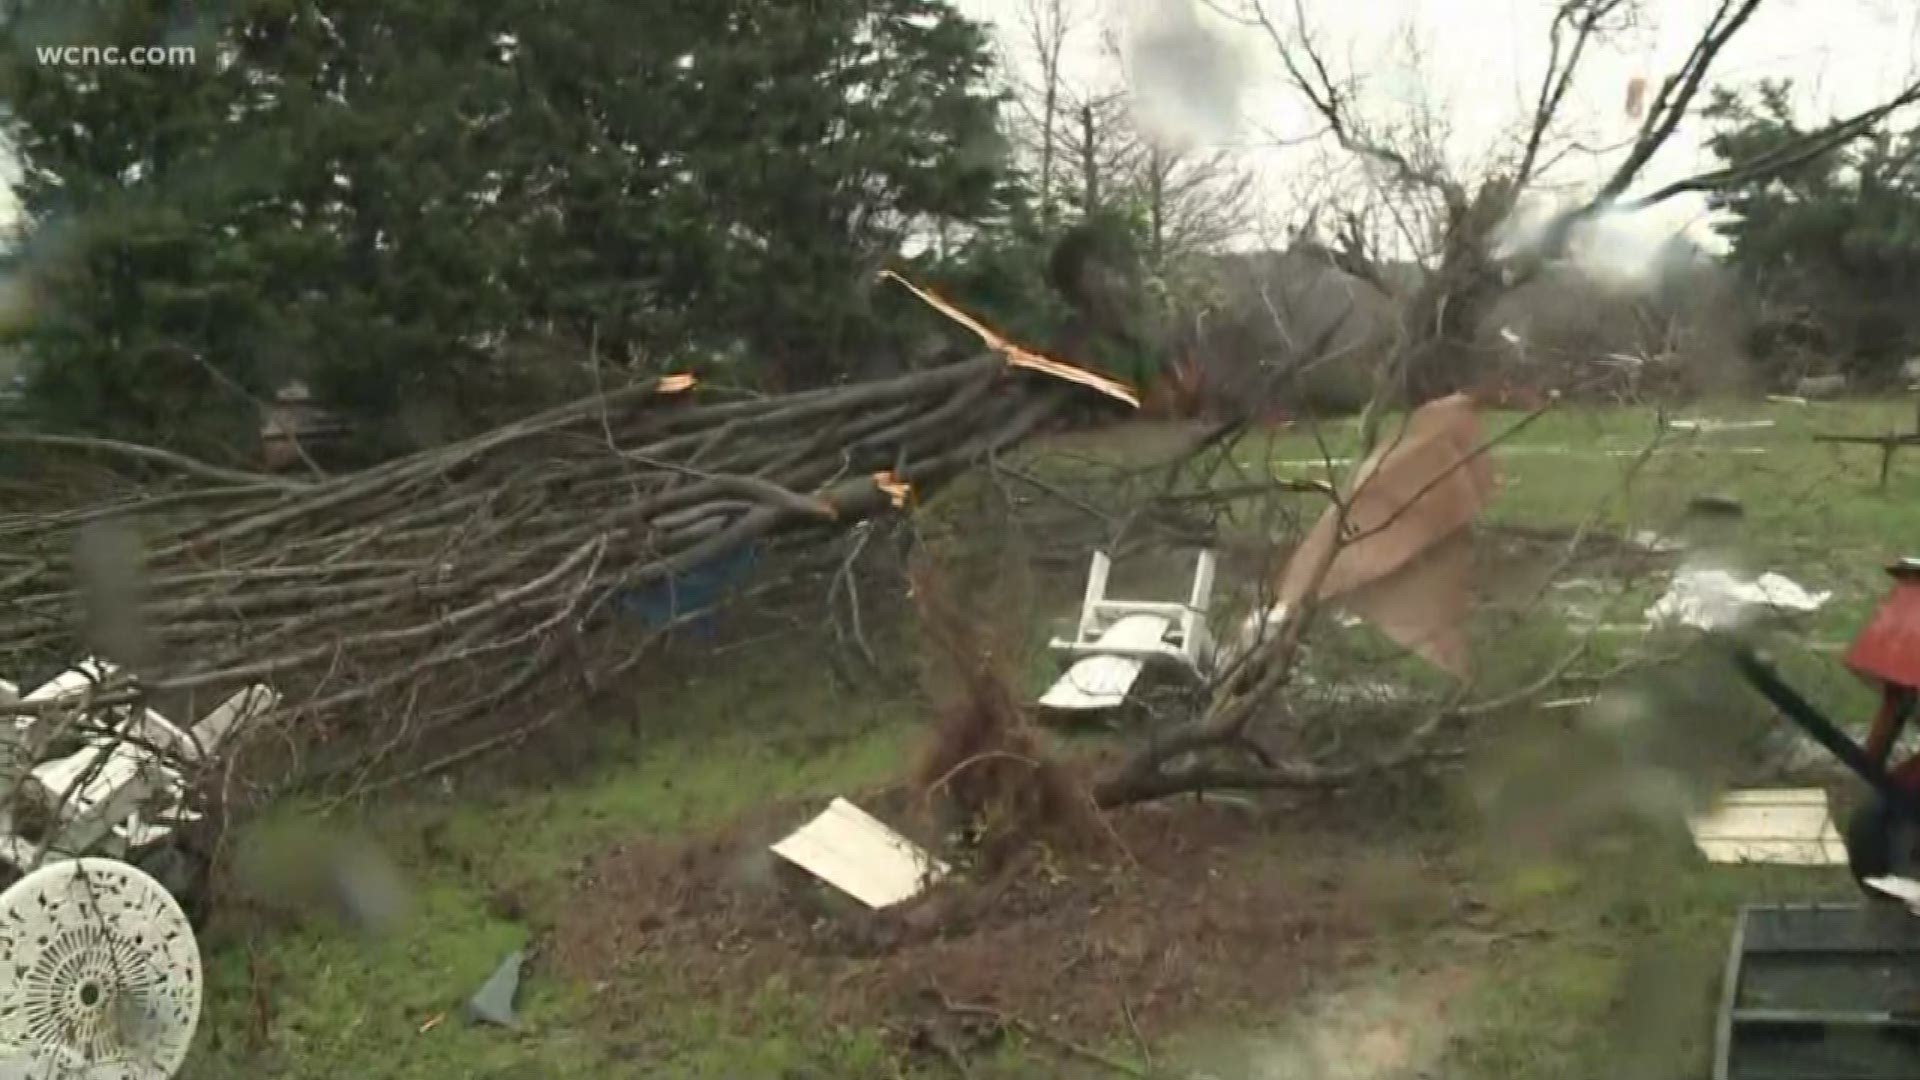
1480, 62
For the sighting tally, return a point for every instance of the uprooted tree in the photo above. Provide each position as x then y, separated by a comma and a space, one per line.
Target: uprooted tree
421, 598
436, 597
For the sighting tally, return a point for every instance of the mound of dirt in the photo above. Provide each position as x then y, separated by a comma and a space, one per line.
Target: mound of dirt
1195, 908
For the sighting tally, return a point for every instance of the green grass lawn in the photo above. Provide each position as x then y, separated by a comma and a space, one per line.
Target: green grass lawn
1553, 980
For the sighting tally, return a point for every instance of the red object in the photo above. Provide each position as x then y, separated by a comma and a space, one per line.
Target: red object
1888, 650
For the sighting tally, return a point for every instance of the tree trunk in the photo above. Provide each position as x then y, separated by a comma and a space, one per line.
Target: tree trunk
1089, 162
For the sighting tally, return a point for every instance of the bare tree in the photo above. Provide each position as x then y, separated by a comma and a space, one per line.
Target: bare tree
1046, 26
1194, 200
1467, 273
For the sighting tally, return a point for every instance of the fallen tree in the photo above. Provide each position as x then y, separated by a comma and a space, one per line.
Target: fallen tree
424, 597
452, 602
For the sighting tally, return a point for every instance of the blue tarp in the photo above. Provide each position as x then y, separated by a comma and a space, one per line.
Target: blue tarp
689, 592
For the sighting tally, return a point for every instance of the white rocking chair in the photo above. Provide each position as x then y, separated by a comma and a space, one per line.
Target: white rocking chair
1117, 639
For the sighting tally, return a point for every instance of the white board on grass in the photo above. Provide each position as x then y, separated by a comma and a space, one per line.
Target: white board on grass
854, 852
1782, 826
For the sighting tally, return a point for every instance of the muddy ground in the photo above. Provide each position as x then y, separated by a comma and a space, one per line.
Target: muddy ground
1189, 909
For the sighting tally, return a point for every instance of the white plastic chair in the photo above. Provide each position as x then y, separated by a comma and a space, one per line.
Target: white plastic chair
1116, 639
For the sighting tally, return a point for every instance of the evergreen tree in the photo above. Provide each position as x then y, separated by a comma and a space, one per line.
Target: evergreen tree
393, 199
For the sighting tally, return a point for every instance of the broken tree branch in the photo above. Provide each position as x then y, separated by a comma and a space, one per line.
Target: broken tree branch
381, 603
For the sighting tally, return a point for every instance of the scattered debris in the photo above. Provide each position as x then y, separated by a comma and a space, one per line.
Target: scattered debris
1787, 827
696, 591
1207, 904
1905, 890
1405, 562
121, 793
1787, 399
1117, 639
493, 1002
1815, 388
1103, 681
1708, 427
103, 974
1710, 599
1346, 694
854, 852
1650, 541
1569, 703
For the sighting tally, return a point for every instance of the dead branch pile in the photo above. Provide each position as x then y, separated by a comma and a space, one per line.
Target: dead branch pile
424, 596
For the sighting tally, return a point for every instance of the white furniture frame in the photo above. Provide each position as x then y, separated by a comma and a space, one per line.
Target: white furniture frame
1116, 639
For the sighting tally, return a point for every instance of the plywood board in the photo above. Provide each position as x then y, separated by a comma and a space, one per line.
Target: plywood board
1786, 826
852, 851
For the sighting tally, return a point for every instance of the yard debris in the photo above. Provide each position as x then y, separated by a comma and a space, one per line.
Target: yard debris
1406, 559
123, 791
1906, 890
1817, 992
691, 593
854, 852
1650, 541
1817, 387
1015, 355
437, 625
1117, 639
1709, 427
493, 1002
1104, 680
1784, 826
1072, 935
1713, 599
